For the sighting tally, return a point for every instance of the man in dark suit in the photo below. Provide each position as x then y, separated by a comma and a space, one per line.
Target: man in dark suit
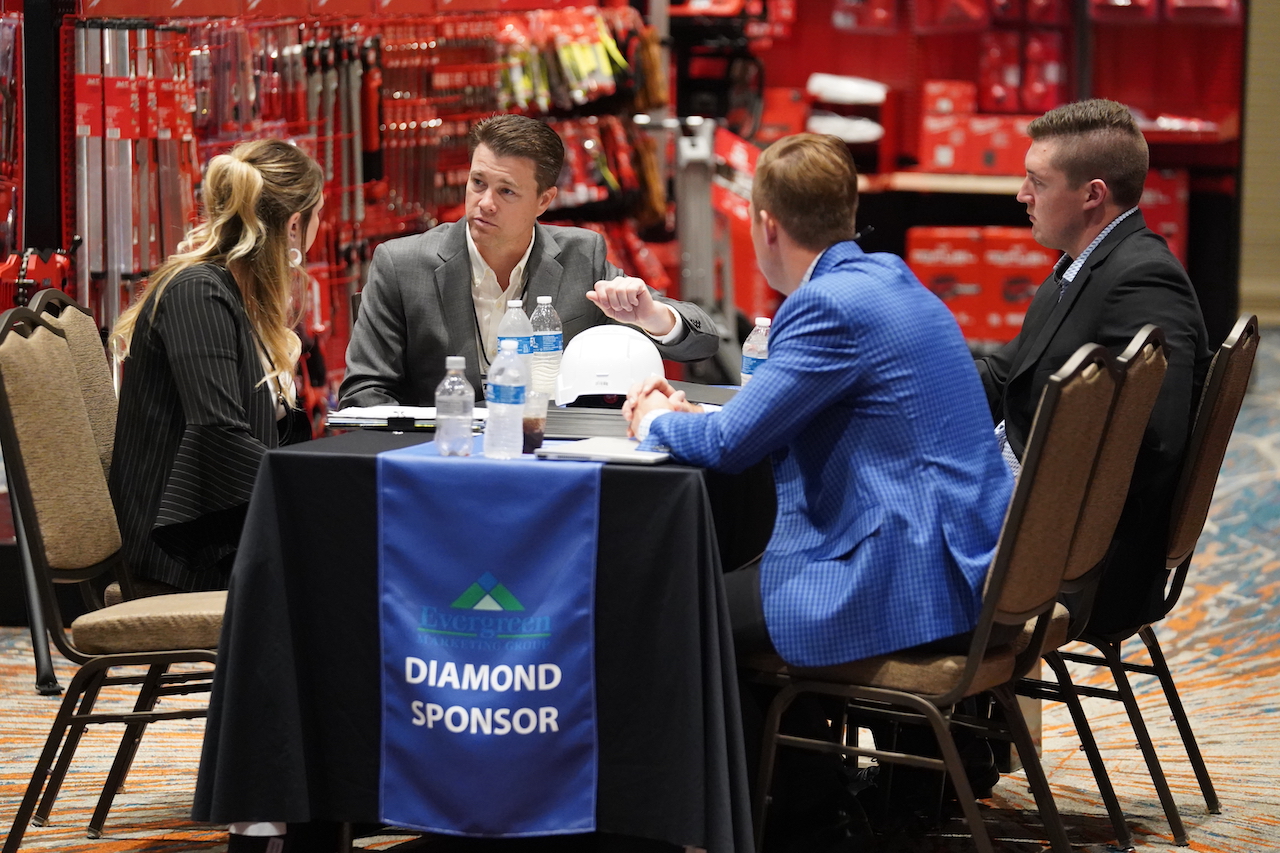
444, 292
1085, 170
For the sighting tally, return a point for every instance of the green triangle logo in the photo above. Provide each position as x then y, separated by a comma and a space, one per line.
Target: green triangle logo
487, 594
470, 598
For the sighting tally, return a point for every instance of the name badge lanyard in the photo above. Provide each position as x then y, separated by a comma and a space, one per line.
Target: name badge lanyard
475, 318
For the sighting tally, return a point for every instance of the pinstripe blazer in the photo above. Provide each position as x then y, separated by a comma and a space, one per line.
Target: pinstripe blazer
417, 308
891, 490
192, 427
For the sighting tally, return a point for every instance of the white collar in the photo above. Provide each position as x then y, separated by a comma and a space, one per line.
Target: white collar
479, 266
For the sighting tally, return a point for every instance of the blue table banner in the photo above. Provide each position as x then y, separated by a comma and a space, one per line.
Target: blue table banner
487, 592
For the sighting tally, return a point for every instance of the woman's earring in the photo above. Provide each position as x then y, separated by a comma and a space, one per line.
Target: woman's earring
295, 256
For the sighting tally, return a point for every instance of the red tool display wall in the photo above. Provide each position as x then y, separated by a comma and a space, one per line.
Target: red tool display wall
383, 103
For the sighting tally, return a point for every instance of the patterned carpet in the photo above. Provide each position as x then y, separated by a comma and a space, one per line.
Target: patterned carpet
1222, 644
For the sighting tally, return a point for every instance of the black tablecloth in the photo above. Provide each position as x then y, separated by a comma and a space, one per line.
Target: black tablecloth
294, 720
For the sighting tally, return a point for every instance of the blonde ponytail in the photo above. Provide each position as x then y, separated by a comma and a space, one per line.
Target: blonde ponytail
248, 196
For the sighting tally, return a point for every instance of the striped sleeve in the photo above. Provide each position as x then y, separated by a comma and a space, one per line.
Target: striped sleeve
201, 325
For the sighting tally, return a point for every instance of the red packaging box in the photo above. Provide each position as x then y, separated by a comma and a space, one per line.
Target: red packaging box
1000, 71
997, 144
1164, 207
785, 113
948, 261
1124, 11
949, 97
932, 16
944, 142
1056, 12
1044, 76
1006, 11
1203, 11
1014, 266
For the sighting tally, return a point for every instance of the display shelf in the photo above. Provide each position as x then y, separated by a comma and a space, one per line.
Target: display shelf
939, 182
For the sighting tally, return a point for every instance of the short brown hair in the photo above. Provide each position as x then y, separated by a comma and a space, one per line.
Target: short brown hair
810, 185
1097, 139
521, 136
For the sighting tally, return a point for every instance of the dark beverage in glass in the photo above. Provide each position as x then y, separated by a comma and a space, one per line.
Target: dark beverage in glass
533, 432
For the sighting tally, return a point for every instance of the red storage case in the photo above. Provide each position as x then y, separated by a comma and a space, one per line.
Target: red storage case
1164, 207
1044, 75
1014, 265
948, 261
950, 97
997, 145
944, 143
1124, 11
1000, 71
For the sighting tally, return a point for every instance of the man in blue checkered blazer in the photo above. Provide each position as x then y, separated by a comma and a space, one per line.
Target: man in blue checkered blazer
891, 489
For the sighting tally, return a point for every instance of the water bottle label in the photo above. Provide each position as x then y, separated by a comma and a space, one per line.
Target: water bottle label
509, 394
524, 344
750, 364
548, 342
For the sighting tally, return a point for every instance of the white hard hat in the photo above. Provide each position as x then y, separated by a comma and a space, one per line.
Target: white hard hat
605, 360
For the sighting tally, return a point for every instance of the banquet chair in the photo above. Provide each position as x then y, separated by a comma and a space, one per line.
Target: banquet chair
1022, 585
1220, 402
1142, 367
94, 374
57, 482
93, 369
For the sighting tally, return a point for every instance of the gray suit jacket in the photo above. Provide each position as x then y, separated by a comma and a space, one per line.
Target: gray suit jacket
416, 308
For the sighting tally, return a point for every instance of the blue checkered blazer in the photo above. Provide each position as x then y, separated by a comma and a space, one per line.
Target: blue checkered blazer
891, 490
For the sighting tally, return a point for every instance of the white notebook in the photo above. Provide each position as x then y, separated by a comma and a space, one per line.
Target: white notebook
603, 449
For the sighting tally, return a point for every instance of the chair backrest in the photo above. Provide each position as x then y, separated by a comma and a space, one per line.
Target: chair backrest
1061, 451
1142, 367
92, 366
1220, 401
50, 452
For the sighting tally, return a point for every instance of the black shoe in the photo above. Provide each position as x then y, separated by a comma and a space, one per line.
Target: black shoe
979, 767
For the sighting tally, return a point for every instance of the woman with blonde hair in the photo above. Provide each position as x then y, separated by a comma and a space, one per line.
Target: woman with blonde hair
209, 362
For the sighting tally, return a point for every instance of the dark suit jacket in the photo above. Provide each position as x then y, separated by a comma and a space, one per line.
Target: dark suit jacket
416, 308
193, 423
1129, 280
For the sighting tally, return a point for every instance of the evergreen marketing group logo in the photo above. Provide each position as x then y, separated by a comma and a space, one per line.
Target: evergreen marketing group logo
486, 615
487, 594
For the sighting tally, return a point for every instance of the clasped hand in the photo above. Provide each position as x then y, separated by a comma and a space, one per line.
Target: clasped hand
653, 394
627, 299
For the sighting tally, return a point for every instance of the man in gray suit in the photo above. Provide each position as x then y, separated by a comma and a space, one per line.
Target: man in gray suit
444, 292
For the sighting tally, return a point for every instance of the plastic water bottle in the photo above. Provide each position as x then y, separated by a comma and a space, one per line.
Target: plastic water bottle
515, 326
755, 349
455, 409
504, 427
548, 346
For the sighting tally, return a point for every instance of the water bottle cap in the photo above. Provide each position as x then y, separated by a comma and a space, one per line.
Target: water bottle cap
509, 345
455, 362
515, 303
544, 300
764, 321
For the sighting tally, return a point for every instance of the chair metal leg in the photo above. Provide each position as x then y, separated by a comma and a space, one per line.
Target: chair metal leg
83, 679
46, 681
1124, 838
128, 749
1031, 765
1180, 717
768, 753
75, 731
955, 769
1111, 651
